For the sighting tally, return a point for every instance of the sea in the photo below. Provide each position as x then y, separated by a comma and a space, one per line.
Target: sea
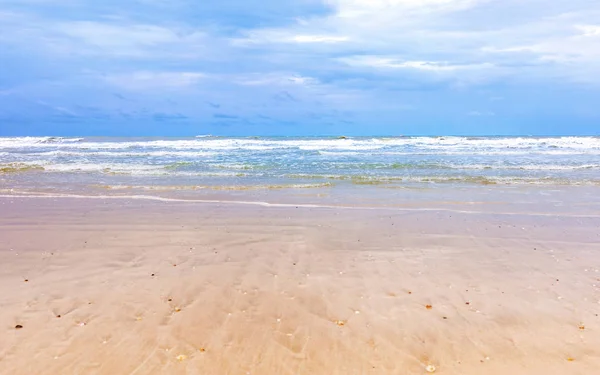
209, 166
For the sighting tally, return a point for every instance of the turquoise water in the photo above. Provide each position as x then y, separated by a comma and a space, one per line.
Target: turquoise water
220, 163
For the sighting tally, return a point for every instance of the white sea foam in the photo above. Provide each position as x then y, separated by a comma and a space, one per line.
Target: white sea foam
124, 154
417, 143
12, 142
530, 167
574, 158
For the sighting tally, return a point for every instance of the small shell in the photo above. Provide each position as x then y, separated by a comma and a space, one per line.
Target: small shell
340, 323
430, 369
181, 357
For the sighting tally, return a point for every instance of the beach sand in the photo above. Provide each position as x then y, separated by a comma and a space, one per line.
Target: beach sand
118, 286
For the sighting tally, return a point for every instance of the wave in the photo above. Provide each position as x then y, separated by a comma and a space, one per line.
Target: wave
479, 180
19, 168
213, 187
529, 167
9, 142
60, 140
120, 153
452, 166
111, 169
412, 144
216, 168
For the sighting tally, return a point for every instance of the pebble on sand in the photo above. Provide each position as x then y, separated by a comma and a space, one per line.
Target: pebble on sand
18, 326
428, 307
181, 357
430, 368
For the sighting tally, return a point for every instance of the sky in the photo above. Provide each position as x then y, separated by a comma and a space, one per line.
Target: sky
299, 67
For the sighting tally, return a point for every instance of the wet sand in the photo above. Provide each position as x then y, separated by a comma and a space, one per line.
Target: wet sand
140, 287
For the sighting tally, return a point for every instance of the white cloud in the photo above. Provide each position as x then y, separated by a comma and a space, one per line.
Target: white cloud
110, 37
481, 113
275, 79
129, 39
359, 8
268, 36
589, 30
567, 50
460, 38
319, 39
155, 80
392, 63
117, 36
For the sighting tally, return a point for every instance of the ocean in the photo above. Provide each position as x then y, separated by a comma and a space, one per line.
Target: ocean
193, 167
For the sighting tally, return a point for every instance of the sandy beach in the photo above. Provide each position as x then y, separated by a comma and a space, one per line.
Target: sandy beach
123, 286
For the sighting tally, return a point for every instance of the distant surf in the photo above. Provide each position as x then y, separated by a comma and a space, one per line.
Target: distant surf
225, 163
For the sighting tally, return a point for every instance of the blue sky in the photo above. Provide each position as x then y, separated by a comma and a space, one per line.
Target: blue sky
299, 67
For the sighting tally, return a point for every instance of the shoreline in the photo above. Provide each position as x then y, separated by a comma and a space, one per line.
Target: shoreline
394, 207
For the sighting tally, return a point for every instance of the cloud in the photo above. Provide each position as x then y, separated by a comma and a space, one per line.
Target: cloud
392, 63
132, 39
363, 8
481, 113
589, 30
319, 39
223, 116
108, 37
446, 36
274, 79
154, 80
302, 60
270, 36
